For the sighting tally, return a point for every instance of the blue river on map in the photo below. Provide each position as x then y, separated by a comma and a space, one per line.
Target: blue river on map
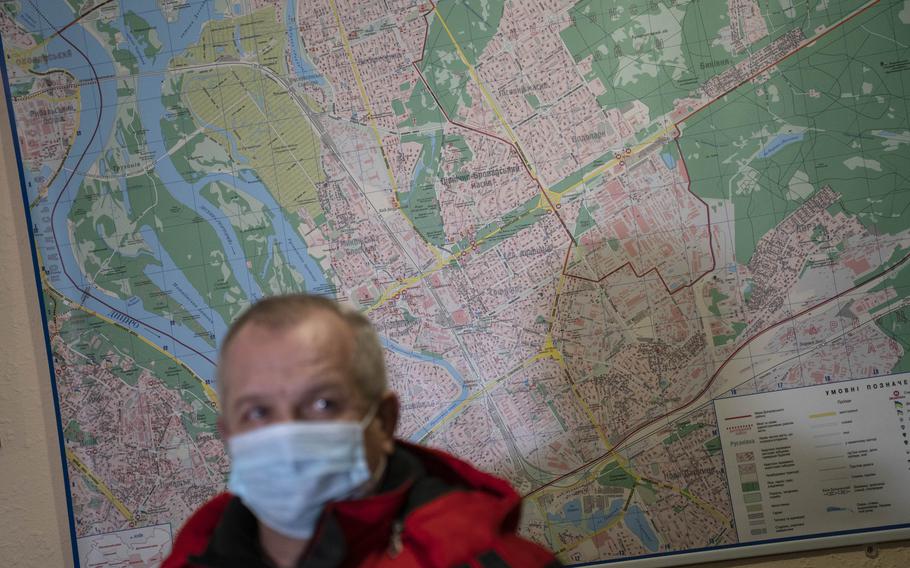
302, 66
190, 24
392, 346
179, 35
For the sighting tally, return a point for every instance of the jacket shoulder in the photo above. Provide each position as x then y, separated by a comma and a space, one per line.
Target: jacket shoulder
195, 534
472, 528
455, 471
475, 524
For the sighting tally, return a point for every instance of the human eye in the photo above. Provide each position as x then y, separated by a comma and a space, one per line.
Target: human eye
255, 414
325, 406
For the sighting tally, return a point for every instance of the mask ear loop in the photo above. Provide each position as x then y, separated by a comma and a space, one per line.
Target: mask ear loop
371, 414
375, 479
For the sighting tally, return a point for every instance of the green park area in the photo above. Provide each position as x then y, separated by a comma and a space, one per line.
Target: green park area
736, 328
713, 445
826, 117
637, 51
473, 23
683, 429
894, 316
248, 112
252, 223
111, 243
258, 35
121, 55
121, 352
144, 33
614, 475
420, 202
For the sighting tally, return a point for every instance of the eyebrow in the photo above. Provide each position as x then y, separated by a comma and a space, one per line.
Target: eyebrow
248, 399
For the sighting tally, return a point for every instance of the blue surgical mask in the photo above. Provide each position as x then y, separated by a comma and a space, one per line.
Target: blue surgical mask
286, 473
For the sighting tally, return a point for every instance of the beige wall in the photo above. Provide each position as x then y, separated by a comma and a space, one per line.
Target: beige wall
34, 530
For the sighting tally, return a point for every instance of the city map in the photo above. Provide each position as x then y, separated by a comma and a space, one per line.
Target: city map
575, 224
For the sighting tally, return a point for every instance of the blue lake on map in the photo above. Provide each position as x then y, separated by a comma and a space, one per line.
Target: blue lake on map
777, 143
571, 513
599, 519
636, 522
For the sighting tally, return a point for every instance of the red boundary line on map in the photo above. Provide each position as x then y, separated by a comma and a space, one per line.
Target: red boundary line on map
654, 268
480, 131
618, 445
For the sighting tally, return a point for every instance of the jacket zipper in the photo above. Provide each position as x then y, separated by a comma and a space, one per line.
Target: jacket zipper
395, 544
397, 541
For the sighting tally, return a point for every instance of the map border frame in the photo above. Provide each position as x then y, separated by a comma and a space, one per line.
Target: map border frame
61, 443
739, 550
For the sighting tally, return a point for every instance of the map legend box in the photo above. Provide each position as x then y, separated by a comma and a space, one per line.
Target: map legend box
836, 461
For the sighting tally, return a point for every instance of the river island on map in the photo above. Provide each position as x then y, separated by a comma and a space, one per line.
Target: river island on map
575, 224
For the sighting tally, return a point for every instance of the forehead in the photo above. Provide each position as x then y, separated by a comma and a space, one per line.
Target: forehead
319, 347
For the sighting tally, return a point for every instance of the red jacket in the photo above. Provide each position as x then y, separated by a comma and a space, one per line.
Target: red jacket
432, 510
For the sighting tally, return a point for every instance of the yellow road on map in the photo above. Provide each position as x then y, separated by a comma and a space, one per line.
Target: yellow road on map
100, 485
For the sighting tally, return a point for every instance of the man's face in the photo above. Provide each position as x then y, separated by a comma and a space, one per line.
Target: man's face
300, 373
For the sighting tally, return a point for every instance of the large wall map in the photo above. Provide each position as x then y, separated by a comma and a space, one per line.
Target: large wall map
575, 225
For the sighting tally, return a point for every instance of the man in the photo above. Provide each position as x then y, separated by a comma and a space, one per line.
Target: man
317, 478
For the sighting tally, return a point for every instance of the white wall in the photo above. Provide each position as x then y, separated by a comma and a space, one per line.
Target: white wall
34, 530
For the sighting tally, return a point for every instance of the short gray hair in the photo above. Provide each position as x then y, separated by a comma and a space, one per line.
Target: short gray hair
283, 312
